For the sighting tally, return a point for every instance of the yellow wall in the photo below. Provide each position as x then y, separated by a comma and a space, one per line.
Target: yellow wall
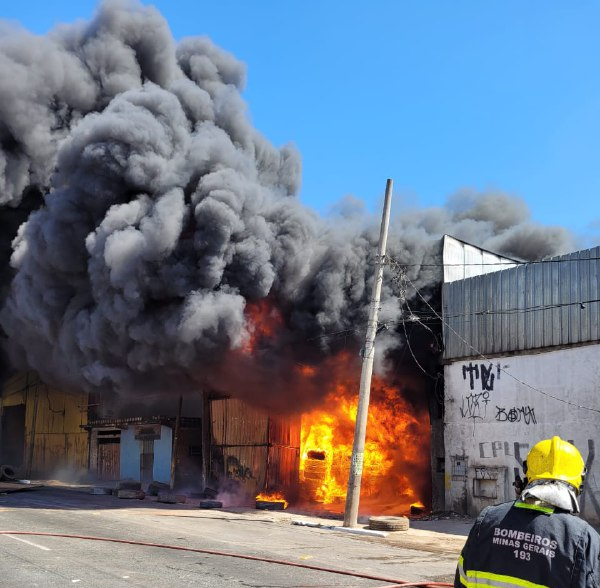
55, 443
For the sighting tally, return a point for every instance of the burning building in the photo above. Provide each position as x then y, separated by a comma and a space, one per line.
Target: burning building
153, 244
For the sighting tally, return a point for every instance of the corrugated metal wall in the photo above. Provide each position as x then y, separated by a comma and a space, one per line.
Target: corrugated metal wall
283, 458
54, 439
532, 306
257, 450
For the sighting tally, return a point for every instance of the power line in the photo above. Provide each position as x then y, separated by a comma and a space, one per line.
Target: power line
510, 311
413, 354
507, 264
333, 334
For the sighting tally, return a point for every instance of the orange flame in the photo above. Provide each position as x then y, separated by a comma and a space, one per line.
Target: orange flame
397, 443
396, 457
273, 497
263, 321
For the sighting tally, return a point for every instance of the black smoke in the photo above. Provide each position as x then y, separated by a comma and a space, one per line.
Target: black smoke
142, 213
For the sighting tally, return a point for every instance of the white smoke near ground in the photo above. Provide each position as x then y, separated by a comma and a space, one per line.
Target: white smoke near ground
165, 213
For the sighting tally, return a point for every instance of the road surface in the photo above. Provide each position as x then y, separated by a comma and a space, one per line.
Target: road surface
33, 555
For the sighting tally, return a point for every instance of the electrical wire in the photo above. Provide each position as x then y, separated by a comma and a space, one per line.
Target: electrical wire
507, 264
416, 319
506, 311
539, 308
343, 332
395, 582
410, 346
412, 353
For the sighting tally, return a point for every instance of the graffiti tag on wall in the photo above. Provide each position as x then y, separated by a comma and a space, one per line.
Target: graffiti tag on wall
484, 374
516, 414
489, 449
474, 404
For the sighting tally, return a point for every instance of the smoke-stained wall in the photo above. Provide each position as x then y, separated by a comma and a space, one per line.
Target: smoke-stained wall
166, 216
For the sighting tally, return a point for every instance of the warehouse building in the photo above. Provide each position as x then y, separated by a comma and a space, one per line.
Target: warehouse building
521, 363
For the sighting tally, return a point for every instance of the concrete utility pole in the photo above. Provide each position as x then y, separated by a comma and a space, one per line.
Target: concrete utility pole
358, 448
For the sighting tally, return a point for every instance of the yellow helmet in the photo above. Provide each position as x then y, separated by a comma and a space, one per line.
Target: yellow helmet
555, 459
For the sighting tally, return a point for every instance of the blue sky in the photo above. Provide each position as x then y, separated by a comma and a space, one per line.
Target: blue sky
437, 95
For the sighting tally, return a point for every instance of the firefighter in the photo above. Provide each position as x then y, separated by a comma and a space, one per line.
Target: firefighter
537, 541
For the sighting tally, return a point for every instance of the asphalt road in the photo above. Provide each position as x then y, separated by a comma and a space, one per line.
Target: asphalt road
49, 561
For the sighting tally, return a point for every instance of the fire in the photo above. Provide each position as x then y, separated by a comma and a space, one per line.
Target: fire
396, 462
272, 497
396, 447
263, 320
417, 507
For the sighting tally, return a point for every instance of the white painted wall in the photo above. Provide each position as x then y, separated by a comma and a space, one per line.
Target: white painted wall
493, 418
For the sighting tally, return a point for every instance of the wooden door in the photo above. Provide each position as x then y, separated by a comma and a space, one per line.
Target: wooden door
109, 462
12, 441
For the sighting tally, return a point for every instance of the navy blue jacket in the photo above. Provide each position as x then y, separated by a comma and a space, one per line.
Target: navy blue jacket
521, 545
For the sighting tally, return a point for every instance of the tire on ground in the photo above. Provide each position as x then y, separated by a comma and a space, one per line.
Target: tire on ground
210, 504
135, 494
7, 472
389, 523
171, 498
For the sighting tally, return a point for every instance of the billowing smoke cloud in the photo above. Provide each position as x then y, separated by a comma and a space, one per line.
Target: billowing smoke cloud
166, 217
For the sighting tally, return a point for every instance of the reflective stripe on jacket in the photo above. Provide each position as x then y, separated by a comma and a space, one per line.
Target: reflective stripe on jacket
520, 545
